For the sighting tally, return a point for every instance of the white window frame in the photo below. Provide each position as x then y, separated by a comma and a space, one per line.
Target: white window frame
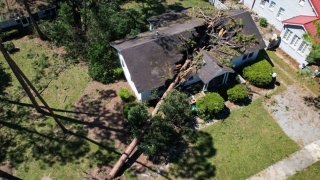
280, 14
303, 47
272, 6
287, 35
263, 3
294, 41
302, 2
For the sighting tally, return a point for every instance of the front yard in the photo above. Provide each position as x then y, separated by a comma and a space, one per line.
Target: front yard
248, 141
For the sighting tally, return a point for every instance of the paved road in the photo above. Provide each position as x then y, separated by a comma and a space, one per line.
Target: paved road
294, 163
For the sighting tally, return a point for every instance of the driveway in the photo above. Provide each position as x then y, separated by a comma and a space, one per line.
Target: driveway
298, 113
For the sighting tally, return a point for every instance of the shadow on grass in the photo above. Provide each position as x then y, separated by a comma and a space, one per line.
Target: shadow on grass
193, 162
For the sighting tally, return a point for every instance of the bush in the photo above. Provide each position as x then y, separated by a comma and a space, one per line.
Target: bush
9, 34
126, 109
210, 105
118, 73
259, 74
126, 95
238, 93
263, 22
9, 46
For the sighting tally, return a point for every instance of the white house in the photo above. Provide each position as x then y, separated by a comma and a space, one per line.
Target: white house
293, 18
153, 58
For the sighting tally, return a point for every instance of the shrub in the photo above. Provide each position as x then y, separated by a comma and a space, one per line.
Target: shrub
118, 73
259, 74
210, 105
238, 93
9, 46
9, 34
126, 95
126, 109
263, 22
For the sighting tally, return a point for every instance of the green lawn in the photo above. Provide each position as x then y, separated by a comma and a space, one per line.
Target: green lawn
312, 172
248, 141
308, 82
50, 152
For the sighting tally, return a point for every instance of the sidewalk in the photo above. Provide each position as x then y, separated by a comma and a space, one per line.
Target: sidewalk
297, 161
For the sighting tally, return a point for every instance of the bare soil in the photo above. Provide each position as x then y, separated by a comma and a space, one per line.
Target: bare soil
103, 109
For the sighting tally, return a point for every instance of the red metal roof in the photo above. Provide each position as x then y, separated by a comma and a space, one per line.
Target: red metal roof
300, 20
311, 28
316, 6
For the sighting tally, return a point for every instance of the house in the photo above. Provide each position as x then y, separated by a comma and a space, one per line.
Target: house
293, 18
153, 58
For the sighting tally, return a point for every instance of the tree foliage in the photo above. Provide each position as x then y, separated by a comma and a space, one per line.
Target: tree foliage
159, 137
85, 29
137, 120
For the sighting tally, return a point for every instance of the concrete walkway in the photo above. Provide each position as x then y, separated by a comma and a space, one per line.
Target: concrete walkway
297, 161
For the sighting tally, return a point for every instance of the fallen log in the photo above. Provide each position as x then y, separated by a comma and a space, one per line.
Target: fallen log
132, 146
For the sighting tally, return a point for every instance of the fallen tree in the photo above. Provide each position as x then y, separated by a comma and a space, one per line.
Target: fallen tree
132, 146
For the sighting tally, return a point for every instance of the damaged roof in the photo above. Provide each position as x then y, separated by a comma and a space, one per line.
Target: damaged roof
249, 27
212, 68
152, 56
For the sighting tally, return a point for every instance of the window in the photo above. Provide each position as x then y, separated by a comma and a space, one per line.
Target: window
272, 5
280, 14
294, 41
301, 2
244, 57
287, 35
250, 55
263, 3
303, 47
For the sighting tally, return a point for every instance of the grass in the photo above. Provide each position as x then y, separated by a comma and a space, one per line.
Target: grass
312, 172
248, 141
62, 157
173, 4
308, 82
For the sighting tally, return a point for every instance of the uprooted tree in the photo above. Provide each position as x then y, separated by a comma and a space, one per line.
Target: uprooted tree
224, 37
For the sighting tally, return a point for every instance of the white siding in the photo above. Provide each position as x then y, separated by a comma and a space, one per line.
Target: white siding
238, 61
291, 8
291, 45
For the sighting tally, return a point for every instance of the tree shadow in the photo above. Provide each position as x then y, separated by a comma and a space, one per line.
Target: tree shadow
193, 162
312, 102
5, 79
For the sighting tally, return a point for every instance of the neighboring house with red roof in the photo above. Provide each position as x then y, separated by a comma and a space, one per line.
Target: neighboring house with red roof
293, 18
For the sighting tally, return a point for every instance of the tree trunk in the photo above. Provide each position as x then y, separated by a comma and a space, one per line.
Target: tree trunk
127, 153
25, 83
34, 23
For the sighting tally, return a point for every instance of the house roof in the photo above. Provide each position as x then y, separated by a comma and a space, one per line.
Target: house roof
301, 20
249, 27
308, 22
316, 6
151, 57
212, 68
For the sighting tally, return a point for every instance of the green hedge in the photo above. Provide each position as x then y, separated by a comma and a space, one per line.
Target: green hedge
238, 93
126, 95
209, 105
259, 74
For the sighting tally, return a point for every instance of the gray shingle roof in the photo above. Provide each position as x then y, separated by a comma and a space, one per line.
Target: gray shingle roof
212, 68
151, 57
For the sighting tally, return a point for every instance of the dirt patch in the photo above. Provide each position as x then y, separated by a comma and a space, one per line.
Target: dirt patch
297, 113
103, 112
